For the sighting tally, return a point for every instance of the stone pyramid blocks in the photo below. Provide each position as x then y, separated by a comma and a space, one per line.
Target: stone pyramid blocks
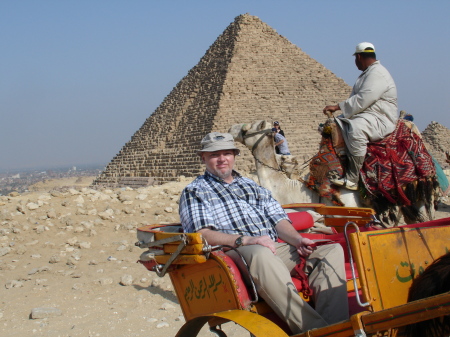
249, 73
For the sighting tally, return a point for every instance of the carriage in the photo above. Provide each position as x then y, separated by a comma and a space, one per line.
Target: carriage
381, 266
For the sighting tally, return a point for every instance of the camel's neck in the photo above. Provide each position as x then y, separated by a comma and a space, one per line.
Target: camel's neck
267, 167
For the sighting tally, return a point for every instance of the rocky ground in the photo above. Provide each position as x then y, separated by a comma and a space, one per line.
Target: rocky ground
68, 262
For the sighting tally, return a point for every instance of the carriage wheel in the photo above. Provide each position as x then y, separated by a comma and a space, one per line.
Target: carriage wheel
253, 323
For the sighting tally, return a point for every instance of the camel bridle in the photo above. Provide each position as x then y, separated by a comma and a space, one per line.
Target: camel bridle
263, 133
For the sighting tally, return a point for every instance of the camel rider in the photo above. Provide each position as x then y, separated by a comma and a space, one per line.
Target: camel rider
368, 115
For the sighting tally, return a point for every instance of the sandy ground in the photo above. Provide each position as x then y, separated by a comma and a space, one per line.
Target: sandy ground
68, 262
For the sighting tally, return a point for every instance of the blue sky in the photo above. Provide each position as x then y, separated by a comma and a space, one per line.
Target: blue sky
78, 78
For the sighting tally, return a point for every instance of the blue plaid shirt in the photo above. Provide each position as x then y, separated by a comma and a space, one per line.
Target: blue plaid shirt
242, 207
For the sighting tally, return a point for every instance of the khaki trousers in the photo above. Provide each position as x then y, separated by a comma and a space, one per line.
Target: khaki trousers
326, 273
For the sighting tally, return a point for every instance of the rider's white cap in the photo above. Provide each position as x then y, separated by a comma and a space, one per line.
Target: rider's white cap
364, 47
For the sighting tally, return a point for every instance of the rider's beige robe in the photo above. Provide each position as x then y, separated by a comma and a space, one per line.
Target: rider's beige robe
370, 113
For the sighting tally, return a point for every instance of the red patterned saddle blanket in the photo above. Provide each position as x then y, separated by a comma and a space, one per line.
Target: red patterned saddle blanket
394, 162
390, 164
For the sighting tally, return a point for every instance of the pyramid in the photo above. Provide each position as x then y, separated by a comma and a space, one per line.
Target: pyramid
249, 73
437, 140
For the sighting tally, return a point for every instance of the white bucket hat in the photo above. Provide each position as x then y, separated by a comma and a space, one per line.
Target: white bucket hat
361, 48
216, 141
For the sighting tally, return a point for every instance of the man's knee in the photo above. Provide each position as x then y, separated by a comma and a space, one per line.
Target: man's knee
256, 254
328, 256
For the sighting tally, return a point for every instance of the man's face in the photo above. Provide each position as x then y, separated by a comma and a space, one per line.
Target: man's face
358, 62
220, 163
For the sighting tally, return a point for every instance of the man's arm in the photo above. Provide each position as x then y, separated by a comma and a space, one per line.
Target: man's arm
278, 139
216, 238
372, 87
287, 233
280, 142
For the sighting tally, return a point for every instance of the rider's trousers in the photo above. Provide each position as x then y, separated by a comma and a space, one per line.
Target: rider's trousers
355, 164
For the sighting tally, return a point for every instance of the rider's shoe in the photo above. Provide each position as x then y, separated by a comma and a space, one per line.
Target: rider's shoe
345, 183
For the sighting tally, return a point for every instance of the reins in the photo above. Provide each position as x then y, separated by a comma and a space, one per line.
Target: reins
263, 133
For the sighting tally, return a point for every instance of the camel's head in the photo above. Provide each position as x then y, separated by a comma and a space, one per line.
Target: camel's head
249, 134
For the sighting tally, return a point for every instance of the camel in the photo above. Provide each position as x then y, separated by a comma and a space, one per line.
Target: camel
433, 281
258, 138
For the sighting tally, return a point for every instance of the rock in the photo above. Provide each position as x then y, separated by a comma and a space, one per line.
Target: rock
14, 194
13, 284
162, 325
51, 214
156, 282
92, 211
38, 313
78, 229
166, 306
126, 280
141, 196
21, 250
54, 259
56, 194
71, 261
73, 191
40, 281
84, 245
81, 211
87, 224
107, 214
72, 241
32, 206
124, 197
168, 210
41, 229
77, 286
4, 251
21, 209
38, 270
105, 281
79, 200
45, 197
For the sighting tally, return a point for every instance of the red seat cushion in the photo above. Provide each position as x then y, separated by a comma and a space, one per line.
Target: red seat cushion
301, 220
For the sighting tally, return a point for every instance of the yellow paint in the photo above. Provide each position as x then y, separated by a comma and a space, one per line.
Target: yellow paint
388, 260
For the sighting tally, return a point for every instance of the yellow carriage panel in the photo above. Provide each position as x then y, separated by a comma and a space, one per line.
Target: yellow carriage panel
388, 260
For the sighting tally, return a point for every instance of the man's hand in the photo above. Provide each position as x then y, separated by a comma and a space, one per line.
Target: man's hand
305, 247
331, 108
216, 238
264, 240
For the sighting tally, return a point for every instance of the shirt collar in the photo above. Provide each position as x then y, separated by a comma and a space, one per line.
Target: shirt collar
376, 62
235, 174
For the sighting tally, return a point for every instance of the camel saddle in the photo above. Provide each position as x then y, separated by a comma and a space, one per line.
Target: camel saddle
392, 165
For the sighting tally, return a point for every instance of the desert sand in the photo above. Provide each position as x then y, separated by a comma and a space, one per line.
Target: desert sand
68, 262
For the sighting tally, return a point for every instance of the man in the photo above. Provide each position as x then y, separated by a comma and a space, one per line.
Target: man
228, 209
369, 114
280, 142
